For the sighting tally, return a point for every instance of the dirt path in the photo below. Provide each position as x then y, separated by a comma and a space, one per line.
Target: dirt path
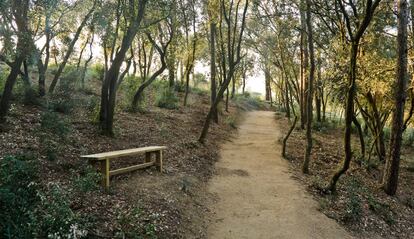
257, 198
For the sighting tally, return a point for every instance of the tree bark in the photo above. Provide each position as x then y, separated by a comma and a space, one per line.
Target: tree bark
309, 113
108, 96
391, 170
20, 10
285, 139
234, 48
349, 107
361, 135
70, 49
213, 84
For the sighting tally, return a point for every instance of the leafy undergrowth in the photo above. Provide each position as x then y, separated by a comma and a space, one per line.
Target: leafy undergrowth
359, 204
143, 204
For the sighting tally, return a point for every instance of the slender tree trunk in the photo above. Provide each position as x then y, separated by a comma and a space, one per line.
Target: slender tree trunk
309, 113
20, 10
304, 64
349, 111
349, 107
361, 135
42, 67
213, 84
108, 97
234, 49
233, 87
285, 139
70, 49
318, 98
391, 170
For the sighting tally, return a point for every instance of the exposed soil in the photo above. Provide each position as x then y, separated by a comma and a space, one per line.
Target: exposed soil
256, 195
359, 204
168, 205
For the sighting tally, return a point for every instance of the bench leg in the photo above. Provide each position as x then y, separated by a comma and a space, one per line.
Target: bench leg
105, 173
158, 160
148, 157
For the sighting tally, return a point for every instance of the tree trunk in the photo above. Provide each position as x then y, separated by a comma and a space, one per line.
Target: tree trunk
20, 10
285, 139
42, 66
70, 49
349, 107
349, 111
361, 135
234, 59
213, 84
391, 170
108, 97
309, 113
304, 64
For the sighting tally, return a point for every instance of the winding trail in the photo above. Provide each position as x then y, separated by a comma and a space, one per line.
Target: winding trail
257, 198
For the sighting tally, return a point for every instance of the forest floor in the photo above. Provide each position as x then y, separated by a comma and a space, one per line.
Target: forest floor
146, 202
256, 197
359, 204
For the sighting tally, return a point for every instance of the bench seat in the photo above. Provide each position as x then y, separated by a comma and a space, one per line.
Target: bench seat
104, 160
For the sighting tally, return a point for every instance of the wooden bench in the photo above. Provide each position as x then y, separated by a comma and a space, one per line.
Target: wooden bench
103, 159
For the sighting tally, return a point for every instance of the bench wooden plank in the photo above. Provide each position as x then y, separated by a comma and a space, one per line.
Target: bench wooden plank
126, 152
131, 168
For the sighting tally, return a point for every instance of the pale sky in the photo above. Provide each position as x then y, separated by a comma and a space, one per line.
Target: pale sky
254, 84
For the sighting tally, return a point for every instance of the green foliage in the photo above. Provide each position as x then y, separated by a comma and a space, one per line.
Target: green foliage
166, 98
31, 97
131, 227
29, 211
55, 218
231, 121
61, 105
97, 71
92, 106
353, 209
199, 91
88, 180
179, 87
408, 137
387, 133
128, 88
409, 202
4, 72
51, 122
18, 196
381, 209
68, 80
248, 102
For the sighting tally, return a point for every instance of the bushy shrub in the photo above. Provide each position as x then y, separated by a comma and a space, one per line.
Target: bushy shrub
88, 180
31, 97
69, 79
55, 217
4, 72
61, 105
408, 137
50, 121
178, 87
167, 99
131, 225
231, 121
387, 133
28, 210
247, 102
199, 91
381, 210
18, 197
97, 71
353, 210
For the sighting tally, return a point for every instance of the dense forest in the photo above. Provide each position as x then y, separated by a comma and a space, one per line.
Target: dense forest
89, 76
